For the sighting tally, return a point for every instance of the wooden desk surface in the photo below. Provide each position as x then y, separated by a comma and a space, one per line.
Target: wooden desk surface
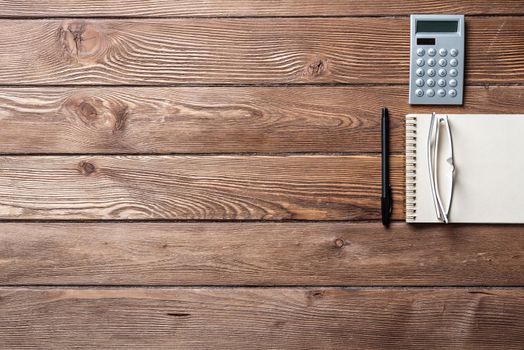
206, 175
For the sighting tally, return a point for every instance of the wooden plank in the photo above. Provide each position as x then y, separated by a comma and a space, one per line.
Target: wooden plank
227, 8
240, 51
268, 254
217, 119
207, 187
267, 318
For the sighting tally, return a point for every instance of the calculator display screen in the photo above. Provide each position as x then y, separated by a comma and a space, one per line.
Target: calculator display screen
425, 41
437, 26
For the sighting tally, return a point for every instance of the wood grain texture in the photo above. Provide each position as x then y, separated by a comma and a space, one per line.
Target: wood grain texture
240, 51
227, 8
274, 318
266, 254
217, 119
237, 77
207, 187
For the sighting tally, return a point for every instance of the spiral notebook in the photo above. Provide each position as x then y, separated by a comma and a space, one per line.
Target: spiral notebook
464, 168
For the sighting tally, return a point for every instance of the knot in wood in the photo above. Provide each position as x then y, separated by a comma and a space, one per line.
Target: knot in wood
86, 168
97, 113
81, 41
317, 68
339, 243
87, 111
313, 295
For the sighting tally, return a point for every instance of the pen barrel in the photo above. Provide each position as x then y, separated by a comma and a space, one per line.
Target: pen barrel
386, 199
385, 151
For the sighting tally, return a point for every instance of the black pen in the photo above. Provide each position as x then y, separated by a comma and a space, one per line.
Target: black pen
385, 199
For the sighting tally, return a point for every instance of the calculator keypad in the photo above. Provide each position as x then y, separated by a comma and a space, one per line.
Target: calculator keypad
446, 72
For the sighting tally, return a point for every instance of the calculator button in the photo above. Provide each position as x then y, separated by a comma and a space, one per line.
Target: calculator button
420, 72
442, 72
430, 82
421, 51
442, 62
430, 92
432, 52
453, 62
431, 72
441, 82
452, 83
419, 92
420, 62
443, 52
441, 92
452, 92
431, 62
419, 82
453, 72
454, 52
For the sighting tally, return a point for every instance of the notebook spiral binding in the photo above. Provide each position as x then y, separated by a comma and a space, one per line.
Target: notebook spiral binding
411, 168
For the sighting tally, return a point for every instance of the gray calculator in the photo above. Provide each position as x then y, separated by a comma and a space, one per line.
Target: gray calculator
436, 74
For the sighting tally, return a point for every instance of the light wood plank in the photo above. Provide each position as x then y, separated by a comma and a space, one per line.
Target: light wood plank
217, 119
260, 254
196, 8
240, 51
274, 318
206, 187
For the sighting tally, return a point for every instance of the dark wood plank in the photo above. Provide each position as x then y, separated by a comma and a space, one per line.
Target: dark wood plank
268, 318
197, 8
206, 187
217, 119
233, 51
260, 254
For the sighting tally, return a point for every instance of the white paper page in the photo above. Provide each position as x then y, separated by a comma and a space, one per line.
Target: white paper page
489, 169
